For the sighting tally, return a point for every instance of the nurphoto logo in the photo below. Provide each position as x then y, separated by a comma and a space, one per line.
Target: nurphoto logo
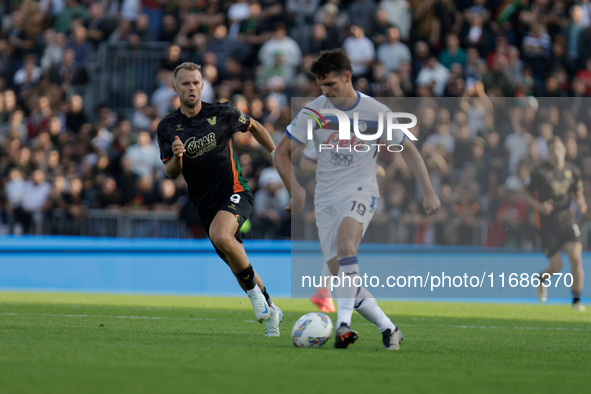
342, 139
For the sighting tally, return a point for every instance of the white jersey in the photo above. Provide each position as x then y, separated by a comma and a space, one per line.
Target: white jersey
349, 167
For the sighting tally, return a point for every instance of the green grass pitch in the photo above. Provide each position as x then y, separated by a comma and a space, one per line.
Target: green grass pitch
95, 343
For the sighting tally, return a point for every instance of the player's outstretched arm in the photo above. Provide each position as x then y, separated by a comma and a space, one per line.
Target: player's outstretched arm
580, 201
174, 166
262, 135
413, 159
282, 161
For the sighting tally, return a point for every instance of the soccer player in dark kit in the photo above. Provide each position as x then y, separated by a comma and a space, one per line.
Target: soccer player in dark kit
196, 140
549, 191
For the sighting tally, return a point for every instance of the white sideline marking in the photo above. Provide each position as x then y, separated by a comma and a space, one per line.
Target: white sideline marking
110, 316
466, 327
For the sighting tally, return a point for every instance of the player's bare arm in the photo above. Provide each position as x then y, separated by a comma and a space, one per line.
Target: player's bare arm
544, 207
262, 135
174, 166
580, 201
413, 159
308, 166
282, 161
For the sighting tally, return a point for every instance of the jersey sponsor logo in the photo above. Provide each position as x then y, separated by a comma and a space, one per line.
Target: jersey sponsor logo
560, 187
235, 198
212, 121
341, 159
198, 147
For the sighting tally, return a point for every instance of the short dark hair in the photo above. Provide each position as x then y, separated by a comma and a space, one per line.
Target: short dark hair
335, 60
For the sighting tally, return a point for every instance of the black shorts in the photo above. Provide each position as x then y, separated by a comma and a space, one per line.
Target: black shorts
238, 204
555, 236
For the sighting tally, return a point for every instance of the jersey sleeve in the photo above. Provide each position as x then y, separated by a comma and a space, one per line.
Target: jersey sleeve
397, 137
164, 142
310, 152
297, 130
239, 121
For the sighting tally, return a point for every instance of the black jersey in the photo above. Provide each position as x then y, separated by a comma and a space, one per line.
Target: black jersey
210, 163
550, 183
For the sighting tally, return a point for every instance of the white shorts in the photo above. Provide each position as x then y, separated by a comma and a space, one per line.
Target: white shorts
360, 207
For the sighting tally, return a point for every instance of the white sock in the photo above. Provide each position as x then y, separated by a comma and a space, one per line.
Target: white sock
253, 291
348, 268
367, 307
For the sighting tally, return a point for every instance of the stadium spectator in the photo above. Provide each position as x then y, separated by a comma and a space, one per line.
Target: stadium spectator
35, 203
320, 40
67, 73
398, 14
72, 10
19, 39
75, 116
100, 25
333, 18
362, 14
144, 156
536, 48
152, 12
225, 47
281, 43
300, 14
83, 49
162, 97
270, 220
361, 51
393, 53
53, 53
28, 75
452, 53
517, 143
433, 75
14, 190
141, 118
170, 28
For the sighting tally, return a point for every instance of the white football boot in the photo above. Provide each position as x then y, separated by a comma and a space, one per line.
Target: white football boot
273, 321
260, 307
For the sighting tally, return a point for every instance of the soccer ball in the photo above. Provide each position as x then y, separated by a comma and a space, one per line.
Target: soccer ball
312, 330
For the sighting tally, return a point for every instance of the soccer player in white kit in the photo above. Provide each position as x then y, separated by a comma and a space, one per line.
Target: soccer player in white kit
346, 188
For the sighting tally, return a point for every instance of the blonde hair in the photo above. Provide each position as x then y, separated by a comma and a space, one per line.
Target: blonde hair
189, 66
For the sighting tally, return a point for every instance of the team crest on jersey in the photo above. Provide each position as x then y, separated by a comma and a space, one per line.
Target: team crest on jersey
197, 147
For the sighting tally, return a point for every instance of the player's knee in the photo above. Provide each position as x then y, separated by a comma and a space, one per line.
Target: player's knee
556, 265
222, 241
576, 262
346, 247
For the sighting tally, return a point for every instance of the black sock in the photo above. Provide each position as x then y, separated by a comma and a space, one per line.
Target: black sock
266, 296
576, 299
247, 277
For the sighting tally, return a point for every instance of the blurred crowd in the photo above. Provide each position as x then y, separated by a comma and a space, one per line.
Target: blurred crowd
57, 153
